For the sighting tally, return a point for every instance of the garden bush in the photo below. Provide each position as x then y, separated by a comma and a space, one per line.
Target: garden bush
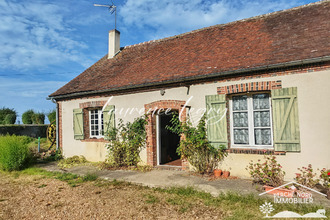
306, 176
269, 173
10, 119
325, 178
4, 112
195, 146
72, 161
126, 142
14, 152
38, 118
27, 117
52, 116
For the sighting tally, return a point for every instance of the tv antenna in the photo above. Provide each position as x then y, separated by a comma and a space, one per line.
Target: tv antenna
112, 9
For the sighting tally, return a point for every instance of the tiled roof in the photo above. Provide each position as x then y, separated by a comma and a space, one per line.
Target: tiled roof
296, 34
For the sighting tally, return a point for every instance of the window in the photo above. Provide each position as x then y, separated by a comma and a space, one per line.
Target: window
251, 122
96, 123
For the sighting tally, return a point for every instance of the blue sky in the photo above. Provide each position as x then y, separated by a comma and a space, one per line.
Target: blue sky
44, 44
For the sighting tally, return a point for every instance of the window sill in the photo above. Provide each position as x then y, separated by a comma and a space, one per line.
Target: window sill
255, 151
94, 140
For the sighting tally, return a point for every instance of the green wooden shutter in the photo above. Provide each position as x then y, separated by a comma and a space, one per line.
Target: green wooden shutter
216, 120
285, 119
108, 118
78, 124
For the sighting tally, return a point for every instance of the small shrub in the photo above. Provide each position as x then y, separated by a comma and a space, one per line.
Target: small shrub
3, 114
268, 173
195, 146
306, 176
126, 142
10, 119
38, 118
72, 161
52, 116
14, 152
51, 155
325, 178
27, 117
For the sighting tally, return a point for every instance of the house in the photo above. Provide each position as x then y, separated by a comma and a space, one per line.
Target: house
266, 77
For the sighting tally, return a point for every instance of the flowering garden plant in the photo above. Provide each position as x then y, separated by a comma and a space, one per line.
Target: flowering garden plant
306, 176
325, 178
268, 173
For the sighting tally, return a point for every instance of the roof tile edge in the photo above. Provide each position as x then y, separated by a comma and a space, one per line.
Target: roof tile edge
226, 24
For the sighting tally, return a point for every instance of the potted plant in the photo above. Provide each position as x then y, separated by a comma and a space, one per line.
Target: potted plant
217, 173
226, 173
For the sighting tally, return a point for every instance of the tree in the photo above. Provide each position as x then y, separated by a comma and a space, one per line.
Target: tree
27, 117
52, 116
10, 119
3, 114
38, 118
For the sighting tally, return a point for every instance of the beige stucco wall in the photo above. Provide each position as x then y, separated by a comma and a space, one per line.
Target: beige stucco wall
314, 119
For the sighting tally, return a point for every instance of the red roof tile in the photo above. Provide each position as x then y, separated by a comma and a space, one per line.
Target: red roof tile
296, 34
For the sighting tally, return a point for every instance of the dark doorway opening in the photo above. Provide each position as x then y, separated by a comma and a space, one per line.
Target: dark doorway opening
168, 141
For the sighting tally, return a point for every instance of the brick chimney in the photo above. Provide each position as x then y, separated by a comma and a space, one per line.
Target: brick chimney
114, 43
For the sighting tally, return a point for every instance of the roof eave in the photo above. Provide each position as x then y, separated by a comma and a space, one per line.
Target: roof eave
200, 77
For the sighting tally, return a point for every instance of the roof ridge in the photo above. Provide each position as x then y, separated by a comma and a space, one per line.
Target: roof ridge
229, 23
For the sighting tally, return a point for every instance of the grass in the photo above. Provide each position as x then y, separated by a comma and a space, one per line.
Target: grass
72, 179
231, 205
238, 206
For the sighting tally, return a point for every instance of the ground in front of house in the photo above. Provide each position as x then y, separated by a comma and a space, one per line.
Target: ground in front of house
35, 194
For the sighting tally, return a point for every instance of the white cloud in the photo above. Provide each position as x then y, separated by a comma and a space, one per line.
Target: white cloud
25, 88
23, 94
33, 34
170, 17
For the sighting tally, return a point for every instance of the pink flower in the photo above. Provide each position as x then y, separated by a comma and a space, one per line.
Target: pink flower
328, 173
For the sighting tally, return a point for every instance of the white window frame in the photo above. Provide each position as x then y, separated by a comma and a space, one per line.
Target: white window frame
251, 127
100, 123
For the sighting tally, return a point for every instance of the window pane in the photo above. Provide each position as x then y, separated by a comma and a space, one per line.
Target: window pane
102, 125
261, 101
240, 103
262, 136
261, 119
240, 119
241, 136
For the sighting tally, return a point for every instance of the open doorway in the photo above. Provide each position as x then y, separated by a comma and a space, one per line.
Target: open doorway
168, 142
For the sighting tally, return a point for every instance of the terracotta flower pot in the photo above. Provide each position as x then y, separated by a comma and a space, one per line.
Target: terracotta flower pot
217, 173
226, 174
288, 193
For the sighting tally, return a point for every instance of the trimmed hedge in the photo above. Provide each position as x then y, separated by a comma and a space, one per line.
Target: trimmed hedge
4, 118
10, 119
14, 152
38, 118
27, 117
34, 131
